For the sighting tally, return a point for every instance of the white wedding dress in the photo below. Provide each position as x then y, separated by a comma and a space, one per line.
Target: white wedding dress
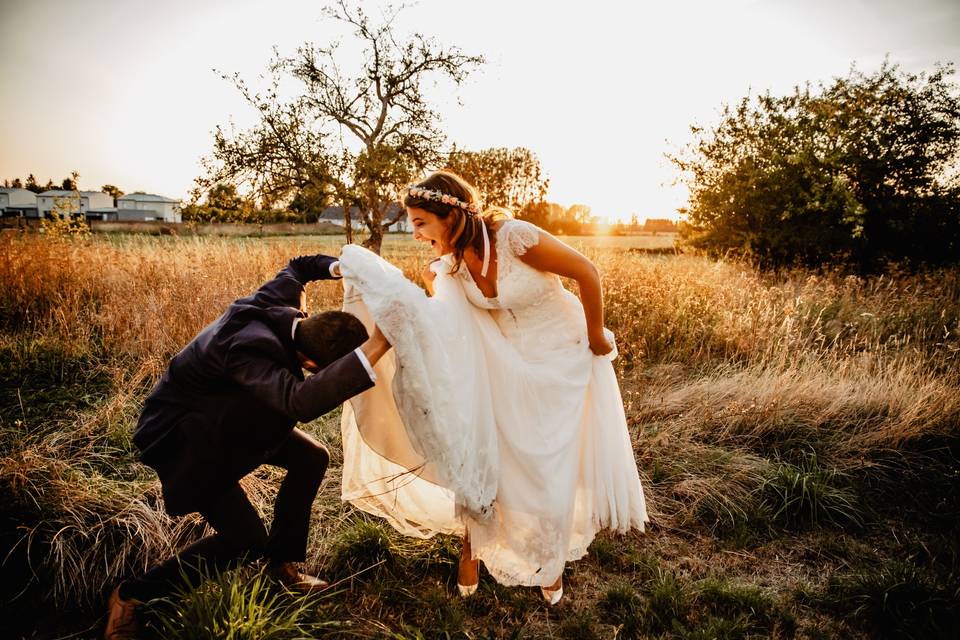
489, 414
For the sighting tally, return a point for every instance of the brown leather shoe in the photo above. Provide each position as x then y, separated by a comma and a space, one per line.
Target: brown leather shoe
122, 621
293, 579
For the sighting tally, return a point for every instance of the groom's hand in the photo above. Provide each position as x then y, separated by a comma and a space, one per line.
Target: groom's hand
375, 346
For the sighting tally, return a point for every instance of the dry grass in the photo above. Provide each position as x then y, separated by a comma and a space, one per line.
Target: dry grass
767, 411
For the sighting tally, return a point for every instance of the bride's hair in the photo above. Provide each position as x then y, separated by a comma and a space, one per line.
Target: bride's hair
464, 226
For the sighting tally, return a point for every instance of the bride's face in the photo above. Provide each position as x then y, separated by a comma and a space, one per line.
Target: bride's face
428, 227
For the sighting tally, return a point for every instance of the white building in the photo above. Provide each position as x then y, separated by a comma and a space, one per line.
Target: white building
10, 197
72, 202
395, 214
398, 216
148, 206
20, 203
335, 215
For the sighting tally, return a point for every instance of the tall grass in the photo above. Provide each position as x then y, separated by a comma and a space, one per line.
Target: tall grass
760, 405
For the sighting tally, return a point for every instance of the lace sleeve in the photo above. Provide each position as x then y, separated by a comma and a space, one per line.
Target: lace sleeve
521, 235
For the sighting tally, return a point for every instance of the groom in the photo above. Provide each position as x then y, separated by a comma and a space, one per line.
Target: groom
229, 402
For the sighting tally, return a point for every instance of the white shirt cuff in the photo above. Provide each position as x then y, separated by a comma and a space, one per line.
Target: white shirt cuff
293, 329
366, 364
332, 265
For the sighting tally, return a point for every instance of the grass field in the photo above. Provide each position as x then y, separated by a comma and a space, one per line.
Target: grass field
798, 436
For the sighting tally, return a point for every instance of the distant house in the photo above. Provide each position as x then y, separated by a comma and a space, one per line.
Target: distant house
396, 215
18, 202
147, 206
334, 215
73, 202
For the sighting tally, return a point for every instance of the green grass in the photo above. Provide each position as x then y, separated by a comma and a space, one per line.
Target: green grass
898, 599
668, 604
810, 493
579, 625
364, 544
241, 604
623, 609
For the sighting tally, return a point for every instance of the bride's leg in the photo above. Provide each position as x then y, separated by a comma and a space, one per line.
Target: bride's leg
468, 573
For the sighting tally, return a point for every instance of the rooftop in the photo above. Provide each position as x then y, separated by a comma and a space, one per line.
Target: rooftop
146, 197
394, 212
62, 192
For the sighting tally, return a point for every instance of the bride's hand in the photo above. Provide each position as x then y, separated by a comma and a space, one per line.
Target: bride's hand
428, 276
599, 345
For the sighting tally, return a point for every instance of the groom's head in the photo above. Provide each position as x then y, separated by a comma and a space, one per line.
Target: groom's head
327, 336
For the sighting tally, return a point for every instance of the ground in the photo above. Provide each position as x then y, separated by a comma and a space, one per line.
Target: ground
796, 435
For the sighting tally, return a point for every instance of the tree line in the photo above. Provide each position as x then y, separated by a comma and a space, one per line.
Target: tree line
507, 178
30, 183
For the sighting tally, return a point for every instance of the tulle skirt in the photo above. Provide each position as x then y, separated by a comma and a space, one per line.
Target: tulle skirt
516, 437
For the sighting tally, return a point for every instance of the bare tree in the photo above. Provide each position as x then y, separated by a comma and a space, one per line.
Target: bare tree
284, 156
355, 138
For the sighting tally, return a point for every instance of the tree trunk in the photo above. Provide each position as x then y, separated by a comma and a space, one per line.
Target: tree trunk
375, 240
373, 221
347, 223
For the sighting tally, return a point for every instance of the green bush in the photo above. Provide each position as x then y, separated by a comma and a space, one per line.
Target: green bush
859, 171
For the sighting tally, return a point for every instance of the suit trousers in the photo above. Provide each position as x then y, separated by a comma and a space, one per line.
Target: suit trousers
239, 531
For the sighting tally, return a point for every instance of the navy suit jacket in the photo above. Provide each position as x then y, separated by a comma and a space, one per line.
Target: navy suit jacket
236, 391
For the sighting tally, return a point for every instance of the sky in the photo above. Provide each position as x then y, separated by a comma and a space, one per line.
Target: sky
125, 92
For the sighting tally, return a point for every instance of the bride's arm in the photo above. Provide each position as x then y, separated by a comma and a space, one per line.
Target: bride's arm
549, 254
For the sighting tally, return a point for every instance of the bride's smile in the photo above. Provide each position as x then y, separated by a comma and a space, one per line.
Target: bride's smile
428, 227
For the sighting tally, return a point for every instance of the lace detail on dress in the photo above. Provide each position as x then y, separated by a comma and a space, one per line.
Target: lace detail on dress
445, 412
520, 236
505, 404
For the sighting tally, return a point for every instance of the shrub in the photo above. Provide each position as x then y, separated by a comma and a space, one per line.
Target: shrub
859, 171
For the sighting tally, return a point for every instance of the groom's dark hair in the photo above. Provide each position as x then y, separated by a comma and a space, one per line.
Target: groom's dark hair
328, 336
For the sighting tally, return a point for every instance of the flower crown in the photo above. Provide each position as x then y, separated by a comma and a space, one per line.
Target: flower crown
439, 196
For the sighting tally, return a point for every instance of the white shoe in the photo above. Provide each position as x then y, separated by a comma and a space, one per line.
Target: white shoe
552, 596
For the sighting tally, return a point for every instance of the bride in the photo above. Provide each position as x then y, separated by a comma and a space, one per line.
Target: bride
498, 415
